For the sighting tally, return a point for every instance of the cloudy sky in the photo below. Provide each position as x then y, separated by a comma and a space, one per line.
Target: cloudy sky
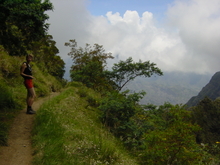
177, 35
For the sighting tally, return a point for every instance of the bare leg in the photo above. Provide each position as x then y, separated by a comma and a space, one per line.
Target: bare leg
30, 99
30, 96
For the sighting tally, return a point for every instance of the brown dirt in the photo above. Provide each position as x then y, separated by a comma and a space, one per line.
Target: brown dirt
19, 150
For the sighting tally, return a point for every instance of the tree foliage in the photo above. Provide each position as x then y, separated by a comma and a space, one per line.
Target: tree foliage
117, 110
22, 21
88, 64
46, 52
89, 67
207, 115
156, 135
171, 138
126, 71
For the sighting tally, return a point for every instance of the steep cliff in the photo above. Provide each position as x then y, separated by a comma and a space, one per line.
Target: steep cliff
211, 90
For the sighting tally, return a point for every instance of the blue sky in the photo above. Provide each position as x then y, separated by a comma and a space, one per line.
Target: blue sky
101, 7
178, 35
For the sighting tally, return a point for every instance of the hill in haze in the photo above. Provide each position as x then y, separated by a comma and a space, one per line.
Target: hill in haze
211, 90
172, 87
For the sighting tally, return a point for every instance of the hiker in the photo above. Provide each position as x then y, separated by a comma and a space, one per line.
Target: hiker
26, 73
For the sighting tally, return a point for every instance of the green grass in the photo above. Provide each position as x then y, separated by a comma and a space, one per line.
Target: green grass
8, 106
13, 93
67, 131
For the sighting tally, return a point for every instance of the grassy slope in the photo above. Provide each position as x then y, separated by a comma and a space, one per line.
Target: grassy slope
68, 131
13, 92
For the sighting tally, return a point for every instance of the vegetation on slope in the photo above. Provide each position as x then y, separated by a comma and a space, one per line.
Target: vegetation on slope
155, 135
22, 23
207, 115
95, 123
23, 30
72, 128
68, 131
13, 93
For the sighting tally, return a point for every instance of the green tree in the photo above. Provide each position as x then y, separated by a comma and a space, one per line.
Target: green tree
126, 71
172, 139
88, 64
207, 115
22, 21
45, 52
118, 109
89, 67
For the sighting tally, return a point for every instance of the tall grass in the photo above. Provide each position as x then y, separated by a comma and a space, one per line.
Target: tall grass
67, 131
13, 92
7, 103
6, 98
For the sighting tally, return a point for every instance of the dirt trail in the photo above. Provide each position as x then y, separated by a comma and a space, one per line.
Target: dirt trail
19, 151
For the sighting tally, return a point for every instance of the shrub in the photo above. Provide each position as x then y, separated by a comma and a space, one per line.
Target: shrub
207, 115
172, 141
117, 109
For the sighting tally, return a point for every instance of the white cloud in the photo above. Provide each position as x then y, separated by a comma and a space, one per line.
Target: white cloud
191, 44
198, 22
133, 36
68, 20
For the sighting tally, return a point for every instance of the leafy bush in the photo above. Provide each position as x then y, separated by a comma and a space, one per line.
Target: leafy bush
172, 139
117, 109
207, 115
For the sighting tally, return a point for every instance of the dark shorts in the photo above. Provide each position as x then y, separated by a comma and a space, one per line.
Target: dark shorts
28, 83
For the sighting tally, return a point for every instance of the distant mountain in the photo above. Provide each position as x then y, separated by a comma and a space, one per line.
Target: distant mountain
211, 90
172, 87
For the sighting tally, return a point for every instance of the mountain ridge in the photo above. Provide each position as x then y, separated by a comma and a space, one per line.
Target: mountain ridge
210, 90
172, 87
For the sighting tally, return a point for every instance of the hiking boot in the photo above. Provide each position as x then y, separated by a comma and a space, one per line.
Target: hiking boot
30, 111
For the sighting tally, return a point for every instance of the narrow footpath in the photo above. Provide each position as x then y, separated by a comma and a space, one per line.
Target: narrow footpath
19, 150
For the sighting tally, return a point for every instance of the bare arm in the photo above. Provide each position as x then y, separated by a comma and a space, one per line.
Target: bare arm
23, 66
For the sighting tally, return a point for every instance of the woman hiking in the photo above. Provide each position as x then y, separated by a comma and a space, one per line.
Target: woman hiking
26, 73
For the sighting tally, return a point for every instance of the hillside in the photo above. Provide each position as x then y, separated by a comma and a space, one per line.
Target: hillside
83, 126
172, 87
19, 144
95, 145
68, 130
210, 90
91, 121
76, 133
71, 130
13, 93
